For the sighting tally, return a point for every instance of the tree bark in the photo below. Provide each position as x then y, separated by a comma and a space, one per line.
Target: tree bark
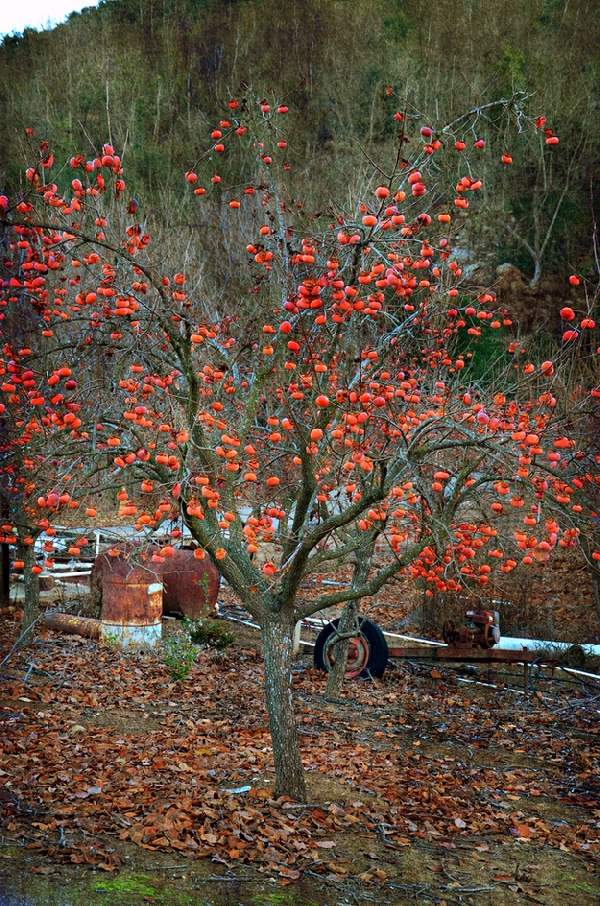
537, 274
335, 678
277, 634
429, 612
4, 560
5, 576
588, 544
595, 576
31, 586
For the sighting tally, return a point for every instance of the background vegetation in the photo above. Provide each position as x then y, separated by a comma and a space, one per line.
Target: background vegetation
150, 76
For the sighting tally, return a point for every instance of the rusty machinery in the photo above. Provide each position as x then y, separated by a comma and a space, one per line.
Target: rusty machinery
480, 630
369, 651
473, 642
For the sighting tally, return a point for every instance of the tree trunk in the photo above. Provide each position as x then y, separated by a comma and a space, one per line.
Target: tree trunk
537, 274
277, 634
5, 576
335, 677
595, 576
31, 586
588, 544
430, 610
4, 560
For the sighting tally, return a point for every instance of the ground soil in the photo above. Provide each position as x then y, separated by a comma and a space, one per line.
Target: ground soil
125, 787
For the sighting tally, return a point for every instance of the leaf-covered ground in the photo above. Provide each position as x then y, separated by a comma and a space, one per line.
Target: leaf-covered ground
422, 788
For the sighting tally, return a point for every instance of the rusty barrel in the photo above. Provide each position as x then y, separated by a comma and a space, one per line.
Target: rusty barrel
131, 608
190, 586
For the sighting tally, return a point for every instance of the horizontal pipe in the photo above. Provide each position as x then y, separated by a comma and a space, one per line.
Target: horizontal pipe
593, 676
508, 643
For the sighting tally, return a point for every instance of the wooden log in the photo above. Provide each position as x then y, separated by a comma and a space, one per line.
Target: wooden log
65, 622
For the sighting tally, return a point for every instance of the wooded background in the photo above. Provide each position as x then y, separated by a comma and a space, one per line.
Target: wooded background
150, 76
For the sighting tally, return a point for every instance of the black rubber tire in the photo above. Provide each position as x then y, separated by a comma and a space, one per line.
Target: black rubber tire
378, 649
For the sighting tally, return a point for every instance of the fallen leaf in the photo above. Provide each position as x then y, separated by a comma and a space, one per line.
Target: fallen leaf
522, 831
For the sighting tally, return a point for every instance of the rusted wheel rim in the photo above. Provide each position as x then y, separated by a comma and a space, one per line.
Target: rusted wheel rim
359, 652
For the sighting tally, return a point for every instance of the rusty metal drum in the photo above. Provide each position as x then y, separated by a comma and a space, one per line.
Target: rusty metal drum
131, 608
190, 586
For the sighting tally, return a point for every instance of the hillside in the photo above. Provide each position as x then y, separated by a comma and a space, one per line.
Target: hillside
149, 75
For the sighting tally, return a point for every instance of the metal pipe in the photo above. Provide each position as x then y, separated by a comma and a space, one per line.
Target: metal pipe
507, 643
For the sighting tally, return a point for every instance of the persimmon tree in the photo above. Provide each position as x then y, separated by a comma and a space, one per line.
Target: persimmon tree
332, 402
